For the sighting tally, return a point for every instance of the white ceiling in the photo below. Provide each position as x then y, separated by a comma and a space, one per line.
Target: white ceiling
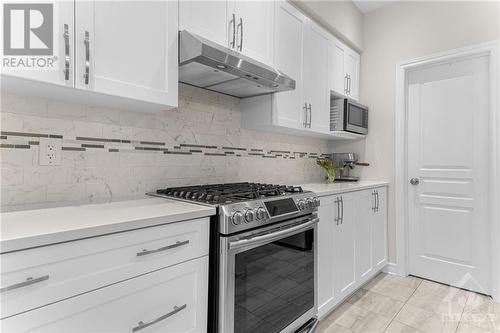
366, 6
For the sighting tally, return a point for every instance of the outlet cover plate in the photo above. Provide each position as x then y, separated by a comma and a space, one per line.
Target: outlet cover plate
50, 151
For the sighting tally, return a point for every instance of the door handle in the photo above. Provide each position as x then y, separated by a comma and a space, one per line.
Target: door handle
305, 121
233, 22
345, 83
377, 201
342, 204
239, 30
66, 52
349, 84
337, 202
310, 114
374, 206
414, 181
86, 41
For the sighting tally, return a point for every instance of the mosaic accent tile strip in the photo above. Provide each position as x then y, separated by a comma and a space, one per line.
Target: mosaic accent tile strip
80, 143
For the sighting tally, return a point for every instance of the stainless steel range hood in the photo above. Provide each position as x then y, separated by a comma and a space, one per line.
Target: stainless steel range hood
211, 66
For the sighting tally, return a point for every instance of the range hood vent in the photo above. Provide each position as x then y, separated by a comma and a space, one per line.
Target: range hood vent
205, 64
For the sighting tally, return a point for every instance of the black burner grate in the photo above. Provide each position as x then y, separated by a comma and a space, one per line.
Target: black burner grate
228, 193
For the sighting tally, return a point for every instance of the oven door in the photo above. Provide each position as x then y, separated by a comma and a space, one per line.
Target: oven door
356, 118
267, 282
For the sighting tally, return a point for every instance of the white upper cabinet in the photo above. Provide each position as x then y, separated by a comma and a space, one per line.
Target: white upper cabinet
289, 106
64, 49
128, 49
344, 73
316, 83
254, 29
246, 27
207, 19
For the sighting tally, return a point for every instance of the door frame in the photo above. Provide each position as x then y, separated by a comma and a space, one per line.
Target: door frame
492, 50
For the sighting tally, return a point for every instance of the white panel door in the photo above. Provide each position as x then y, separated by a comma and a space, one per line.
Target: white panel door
364, 224
352, 71
344, 244
338, 79
326, 265
288, 51
132, 49
64, 49
206, 19
378, 212
448, 153
254, 29
315, 76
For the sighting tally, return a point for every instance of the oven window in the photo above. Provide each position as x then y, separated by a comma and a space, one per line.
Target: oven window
274, 284
356, 116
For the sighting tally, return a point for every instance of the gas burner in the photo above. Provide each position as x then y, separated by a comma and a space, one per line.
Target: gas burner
229, 193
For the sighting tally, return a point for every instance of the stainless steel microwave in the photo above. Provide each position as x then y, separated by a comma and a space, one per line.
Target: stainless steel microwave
348, 115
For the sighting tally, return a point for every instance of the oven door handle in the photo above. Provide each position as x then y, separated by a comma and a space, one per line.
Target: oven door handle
257, 240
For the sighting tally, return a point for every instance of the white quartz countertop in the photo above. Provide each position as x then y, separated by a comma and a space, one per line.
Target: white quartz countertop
30, 228
323, 189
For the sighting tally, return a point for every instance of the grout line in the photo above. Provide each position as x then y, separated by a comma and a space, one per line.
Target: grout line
405, 302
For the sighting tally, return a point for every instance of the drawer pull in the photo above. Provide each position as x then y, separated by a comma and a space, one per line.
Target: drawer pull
168, 247
29, 281
142, 324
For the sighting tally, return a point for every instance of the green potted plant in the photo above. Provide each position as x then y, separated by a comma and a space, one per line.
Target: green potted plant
329, 168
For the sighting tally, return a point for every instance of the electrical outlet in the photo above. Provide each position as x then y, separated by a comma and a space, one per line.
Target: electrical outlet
50, 151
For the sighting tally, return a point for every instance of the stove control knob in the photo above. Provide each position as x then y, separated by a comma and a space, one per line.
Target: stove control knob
237, 218
301, 204
261, 213
316, 202
249, 215
310, 203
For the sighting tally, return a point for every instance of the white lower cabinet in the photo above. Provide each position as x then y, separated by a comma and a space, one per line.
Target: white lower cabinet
157, 276
352, 245
172, 299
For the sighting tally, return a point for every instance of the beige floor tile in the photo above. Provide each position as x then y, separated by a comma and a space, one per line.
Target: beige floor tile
332, 328
359, 320
466, 328
406, 281
442, 290
392, 290
426, 321
397, 327
482, 312
453, 306
375, 302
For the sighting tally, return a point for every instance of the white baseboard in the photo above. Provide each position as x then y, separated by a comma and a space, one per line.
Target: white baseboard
391, 268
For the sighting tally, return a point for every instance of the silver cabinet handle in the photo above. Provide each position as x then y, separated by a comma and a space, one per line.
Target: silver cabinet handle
86, 41
345, 84
233, 22
378, 202
310, 115
342, 204
66, 52
374, 205
168, 247
350, 81
142, 324
414, 181
305, 109
239, 30
29, 281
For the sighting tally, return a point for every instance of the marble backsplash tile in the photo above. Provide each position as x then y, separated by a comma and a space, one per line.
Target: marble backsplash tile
111, 153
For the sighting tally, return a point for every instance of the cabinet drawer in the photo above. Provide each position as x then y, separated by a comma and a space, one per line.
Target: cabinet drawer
172, 299
67, 269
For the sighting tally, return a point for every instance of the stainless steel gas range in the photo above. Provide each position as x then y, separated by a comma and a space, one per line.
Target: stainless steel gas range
263, 266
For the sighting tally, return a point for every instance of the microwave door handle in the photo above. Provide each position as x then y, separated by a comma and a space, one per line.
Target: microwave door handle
259, 240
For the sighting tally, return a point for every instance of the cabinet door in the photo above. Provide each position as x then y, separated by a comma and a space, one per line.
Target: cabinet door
288, 106
338, 80
206, 19
352, 70
344, 246
128, 48
254, 29
379, 234
64, 48
173, 299
315, 76
326, 266
364, 219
